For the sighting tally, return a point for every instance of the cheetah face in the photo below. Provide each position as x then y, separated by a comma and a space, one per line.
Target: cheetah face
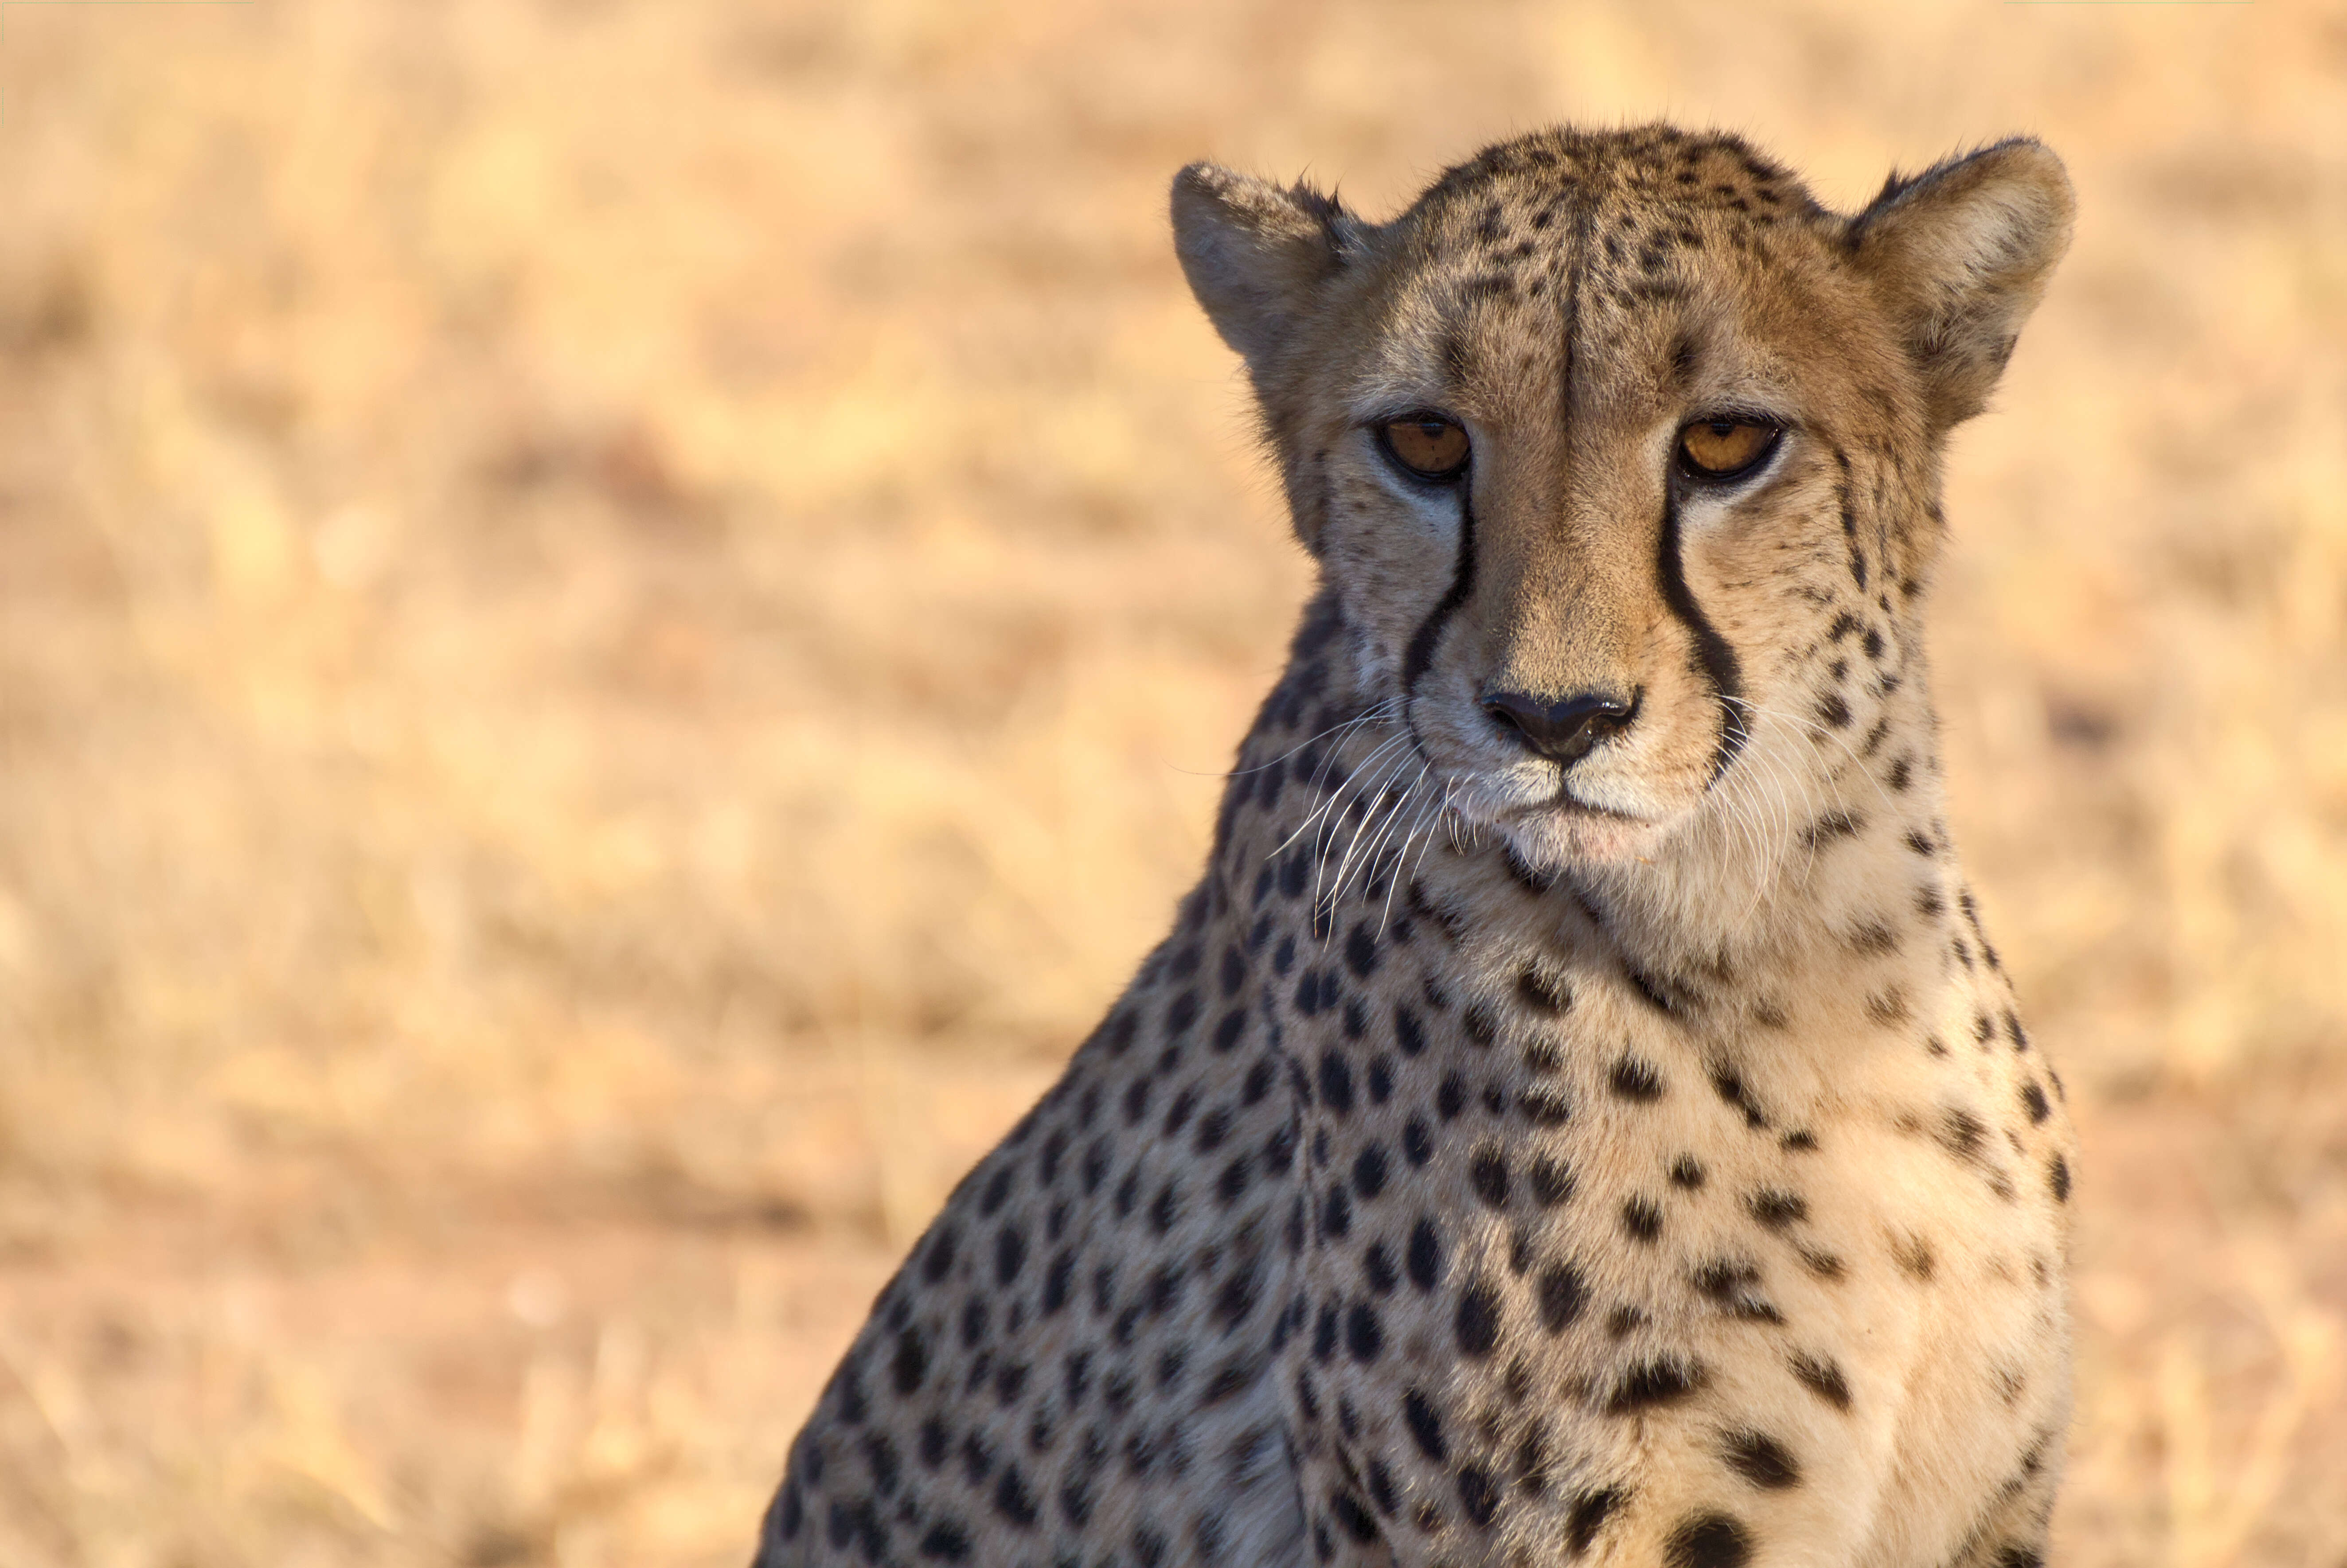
1618, 452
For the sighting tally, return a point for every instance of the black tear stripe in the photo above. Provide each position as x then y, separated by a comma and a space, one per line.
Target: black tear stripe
1420, 654
1714, 660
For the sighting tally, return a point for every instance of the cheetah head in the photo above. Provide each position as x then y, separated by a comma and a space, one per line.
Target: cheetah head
1621, 454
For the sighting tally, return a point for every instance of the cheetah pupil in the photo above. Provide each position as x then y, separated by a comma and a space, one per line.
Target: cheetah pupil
1578, 1113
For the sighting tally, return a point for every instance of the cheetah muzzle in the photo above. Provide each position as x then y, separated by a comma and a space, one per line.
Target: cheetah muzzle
1578, 1115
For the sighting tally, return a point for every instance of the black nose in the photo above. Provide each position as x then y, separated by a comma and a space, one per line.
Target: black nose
1561, 732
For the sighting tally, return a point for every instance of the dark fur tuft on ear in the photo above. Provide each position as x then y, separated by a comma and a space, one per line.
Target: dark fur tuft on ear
1961, 253
1256, 254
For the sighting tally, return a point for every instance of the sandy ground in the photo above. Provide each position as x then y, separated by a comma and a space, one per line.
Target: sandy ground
617, 620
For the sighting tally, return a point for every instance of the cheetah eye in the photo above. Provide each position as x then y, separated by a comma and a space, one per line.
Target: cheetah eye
1724, 446
1426, 445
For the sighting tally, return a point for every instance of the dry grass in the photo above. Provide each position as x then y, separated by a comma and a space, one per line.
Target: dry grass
615, 620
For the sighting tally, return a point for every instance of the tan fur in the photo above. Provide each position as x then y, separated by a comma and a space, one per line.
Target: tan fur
1635, 1160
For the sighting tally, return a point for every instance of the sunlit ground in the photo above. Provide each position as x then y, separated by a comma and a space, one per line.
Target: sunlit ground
616, 620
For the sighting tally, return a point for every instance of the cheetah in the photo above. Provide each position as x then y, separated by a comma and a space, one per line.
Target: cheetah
1578, 1116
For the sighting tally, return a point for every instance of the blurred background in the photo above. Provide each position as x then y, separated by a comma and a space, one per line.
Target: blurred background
617, 620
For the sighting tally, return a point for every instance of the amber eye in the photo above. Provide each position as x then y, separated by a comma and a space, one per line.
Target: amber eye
1428, 445
1723, 447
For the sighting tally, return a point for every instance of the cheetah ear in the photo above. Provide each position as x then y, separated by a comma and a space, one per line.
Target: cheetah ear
1961, 253
1256, 255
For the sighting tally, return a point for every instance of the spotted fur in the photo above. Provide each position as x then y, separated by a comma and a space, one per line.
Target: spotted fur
1632, 1160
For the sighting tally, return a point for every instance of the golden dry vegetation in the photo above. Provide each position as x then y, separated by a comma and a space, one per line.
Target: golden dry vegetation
617, 620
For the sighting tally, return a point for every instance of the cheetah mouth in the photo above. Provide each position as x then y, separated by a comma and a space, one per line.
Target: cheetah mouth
1564, 804
1562, 829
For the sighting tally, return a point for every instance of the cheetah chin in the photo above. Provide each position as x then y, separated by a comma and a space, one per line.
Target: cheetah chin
1579, 1114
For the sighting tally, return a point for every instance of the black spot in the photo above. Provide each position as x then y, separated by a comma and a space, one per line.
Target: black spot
1687, 1172
1182, 1012
1488, 1170
1832, 826
1762, 1460
1550, 1181
1590, 1511
1010, 1253
1408, 1038
1650, 990
880, 1457
1476, 1325
1709, 1541
1294, 872
2019, 1557
1417, 1143
1822, 1378
1378, 1268
912, 1361
1424, 1258
1479, 1494
1364, 1337
1544, 1107
1734, 1287
1369, 1170
935, 1440
2057, 1176
1228, 1030
1482, 1024
1214, 1127
1543, 993
1425, 1426
997, 1187
1353, 1516
1309, 997
1659, 1380
1449, 1096
939, 1259
1118, 1032
1013, 1500
1833, 709
1730, 1085
1361, 951
1561, 1295
852, 1521
1336, 1082
1961, 1132
1641, 1219
946, 1542
1778, 1209
1636, 1080
2033, 1100
1337, 1215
